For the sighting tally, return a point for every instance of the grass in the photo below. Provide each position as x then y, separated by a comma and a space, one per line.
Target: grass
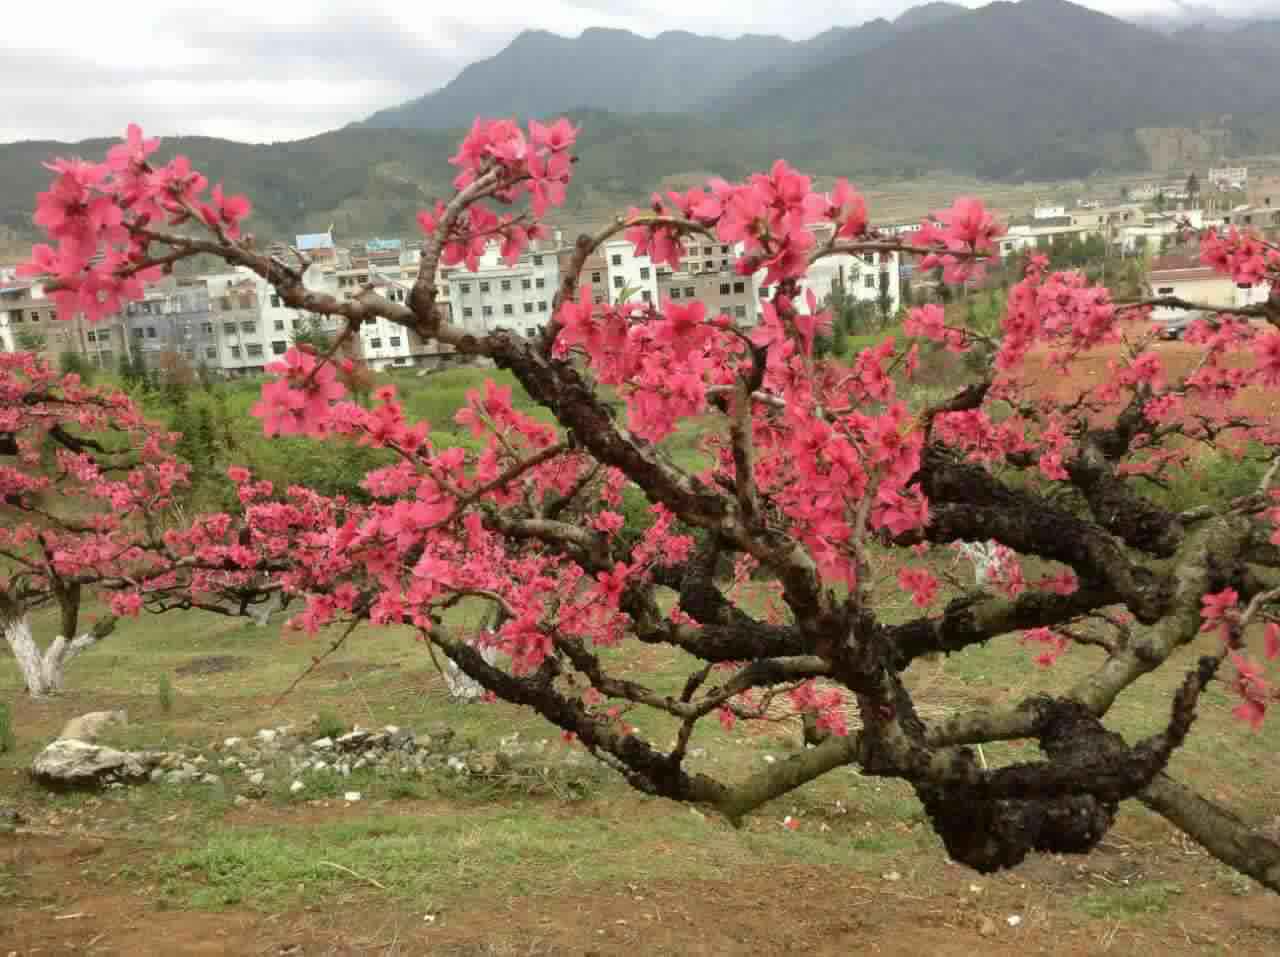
7, 738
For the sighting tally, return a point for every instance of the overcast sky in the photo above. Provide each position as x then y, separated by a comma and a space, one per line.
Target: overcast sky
264, 70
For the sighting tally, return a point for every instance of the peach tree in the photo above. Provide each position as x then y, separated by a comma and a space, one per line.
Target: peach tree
823, 480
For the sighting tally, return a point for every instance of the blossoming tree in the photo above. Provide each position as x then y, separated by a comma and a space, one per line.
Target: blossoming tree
87, 489
824, 480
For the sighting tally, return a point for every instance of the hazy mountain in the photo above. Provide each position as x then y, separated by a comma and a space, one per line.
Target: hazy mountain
1041, 85
540, 73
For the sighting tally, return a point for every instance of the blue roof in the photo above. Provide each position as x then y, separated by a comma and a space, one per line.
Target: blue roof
315, 241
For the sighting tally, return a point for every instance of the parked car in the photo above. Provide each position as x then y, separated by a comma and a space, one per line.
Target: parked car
1175, 327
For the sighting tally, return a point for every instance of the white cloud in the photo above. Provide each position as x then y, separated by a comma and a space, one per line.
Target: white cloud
258, 71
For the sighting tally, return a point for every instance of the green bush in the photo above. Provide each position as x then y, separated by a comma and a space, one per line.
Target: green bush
164, 693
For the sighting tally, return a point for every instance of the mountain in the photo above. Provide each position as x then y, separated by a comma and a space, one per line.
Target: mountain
540, 73
928, 14
372, 182
1040, 86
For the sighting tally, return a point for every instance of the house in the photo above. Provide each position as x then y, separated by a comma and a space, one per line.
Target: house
632, 275
1228, 177
1184, 277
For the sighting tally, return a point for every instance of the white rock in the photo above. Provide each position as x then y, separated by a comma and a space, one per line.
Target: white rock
209, 779
392, 729
322, 744
1014, 920
295, 787
352, 796
257, 777
232, 742
267, 735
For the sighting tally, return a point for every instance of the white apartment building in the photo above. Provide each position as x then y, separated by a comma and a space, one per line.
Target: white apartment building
236, 313
624, 270
498, 296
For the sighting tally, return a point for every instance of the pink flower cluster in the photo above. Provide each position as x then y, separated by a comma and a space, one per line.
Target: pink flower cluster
99, 214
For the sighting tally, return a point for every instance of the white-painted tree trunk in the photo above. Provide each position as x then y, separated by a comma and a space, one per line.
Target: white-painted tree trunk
462, 687
43, 671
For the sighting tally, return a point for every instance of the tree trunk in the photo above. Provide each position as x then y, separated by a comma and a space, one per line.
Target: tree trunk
43, 672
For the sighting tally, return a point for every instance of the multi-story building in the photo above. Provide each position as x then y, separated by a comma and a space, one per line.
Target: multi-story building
497, 296
626, 274
236, 313
172, 317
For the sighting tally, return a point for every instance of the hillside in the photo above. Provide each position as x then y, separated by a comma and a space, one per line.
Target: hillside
1037, 87
370, 182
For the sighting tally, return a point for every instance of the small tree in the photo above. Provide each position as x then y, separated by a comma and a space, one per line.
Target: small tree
29, 340
73, 363
86, 494
832, 497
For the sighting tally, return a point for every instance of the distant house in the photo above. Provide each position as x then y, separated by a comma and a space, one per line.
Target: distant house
319, 247
1184, 277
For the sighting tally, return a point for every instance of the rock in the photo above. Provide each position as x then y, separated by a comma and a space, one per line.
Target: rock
319, 766
322, 744
180, 776
87, 727
232, 743
392, 729
267, 735
351, 796
295, 787
487, 762
10, 818
439, 735
199, 760
401, 740
352, 741
986, 927
241, 801
71, 762
257, 777
209, 779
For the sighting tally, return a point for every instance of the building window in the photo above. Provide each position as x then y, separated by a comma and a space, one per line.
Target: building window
542, 306
1165, 291
506, 285
595, 276
279, 325
484, 287
235, 352
540, 283
487, 311
395, 342
530, 331
709, 265
724, 249
724, 264
375, 343
644, 272
91, 336
724, 288
279, 347
739, 287
466, 312
464, 288
151, 332
537, 261
528, 307
508, 309
206, 328
646, 296
870, 282
616, 259
210, 352
689, 292
617, 282
253, 350
526, 283
740, 312
708, 250
275, 301
248, 326
675, 293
